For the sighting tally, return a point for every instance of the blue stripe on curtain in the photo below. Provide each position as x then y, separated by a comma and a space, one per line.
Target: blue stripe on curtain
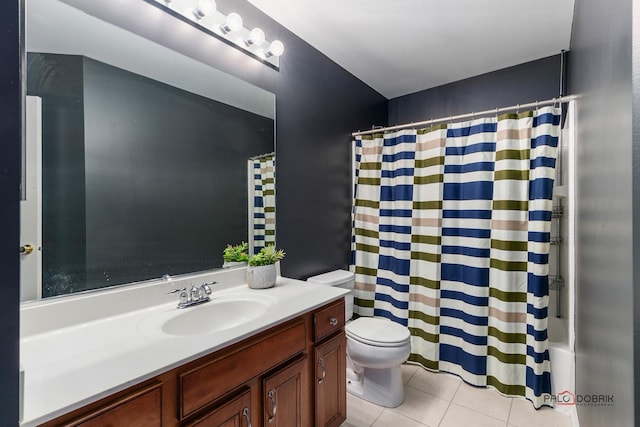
462, 315
396, 192
463, 250
397, 172
388, 298
550, 141
395, 265
400, 139
479, 190
471, 213
546, 118
465, 274
404, 213
538, 335
470, 149
537, 285
541, 188
398, 229
378, 312
538, 237
469, 167
469, 299
538, 313
403, 155
401, 246
466, 232
540, 384
470, 338
538, 258
476, 365
542, 162
539, 215
471, 130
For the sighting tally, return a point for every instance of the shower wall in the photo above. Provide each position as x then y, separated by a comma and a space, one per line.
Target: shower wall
600, 73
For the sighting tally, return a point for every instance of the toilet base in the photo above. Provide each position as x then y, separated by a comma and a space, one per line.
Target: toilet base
383, 387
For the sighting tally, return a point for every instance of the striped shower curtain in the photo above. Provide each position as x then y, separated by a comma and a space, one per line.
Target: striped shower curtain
451, 231
263, 201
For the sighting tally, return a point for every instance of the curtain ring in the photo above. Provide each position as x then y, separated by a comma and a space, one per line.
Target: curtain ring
518, 109
536, 106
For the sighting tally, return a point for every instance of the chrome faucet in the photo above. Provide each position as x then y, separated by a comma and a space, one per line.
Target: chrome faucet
195, 296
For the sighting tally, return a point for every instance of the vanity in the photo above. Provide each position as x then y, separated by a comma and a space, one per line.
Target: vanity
129, 356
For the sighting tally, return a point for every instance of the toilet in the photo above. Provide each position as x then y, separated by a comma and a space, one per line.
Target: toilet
376, 347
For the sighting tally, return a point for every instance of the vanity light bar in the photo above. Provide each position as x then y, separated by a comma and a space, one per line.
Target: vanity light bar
203, 14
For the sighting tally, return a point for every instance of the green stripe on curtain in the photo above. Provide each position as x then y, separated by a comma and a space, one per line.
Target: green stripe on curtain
368, 181
366, 271
424, 317
429, 240
363, 302
509, 246
508, 265
366, 233
512, 359
427, 283
429, 364
437, 204
512, 174
508, 296
425, 163
424, 256
512, 155
507, 337
367, 248
510, 205
428, 179
510, 390
367, 204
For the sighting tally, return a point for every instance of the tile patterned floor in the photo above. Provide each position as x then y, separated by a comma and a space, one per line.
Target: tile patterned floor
443, 400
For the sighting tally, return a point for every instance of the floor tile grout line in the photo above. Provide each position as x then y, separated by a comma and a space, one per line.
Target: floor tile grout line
449, 406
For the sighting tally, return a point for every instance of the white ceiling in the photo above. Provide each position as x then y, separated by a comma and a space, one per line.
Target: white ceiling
403, 46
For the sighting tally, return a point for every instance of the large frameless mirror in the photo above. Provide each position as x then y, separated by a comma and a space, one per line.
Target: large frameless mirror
139, 160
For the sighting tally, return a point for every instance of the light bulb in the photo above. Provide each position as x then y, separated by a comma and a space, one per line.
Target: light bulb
233, 23
276, 48
205, 7
256, 37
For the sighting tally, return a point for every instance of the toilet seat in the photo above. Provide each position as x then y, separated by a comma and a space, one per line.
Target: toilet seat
378, 332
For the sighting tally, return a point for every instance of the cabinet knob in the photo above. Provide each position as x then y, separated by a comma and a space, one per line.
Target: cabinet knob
333, 321
272, 397
246, 414
324, 371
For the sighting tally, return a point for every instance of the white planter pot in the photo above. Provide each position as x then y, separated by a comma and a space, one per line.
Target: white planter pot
261, 276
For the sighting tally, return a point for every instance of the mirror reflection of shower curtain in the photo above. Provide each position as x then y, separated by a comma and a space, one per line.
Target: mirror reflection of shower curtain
262, 202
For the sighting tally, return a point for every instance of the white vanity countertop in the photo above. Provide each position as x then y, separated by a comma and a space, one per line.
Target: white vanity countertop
72, 366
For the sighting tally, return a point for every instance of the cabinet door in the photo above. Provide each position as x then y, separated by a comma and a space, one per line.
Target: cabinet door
286, 396
330, 381
235, 413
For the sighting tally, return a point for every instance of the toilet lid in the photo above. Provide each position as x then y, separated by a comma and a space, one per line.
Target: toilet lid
378, 332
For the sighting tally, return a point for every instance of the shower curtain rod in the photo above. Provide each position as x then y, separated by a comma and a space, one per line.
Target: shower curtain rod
536, 104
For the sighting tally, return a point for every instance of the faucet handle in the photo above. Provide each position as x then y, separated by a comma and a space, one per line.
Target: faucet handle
206, 289
175, 291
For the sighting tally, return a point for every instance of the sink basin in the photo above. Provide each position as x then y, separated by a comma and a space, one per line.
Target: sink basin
220, 313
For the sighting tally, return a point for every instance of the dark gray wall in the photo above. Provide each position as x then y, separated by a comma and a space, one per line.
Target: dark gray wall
530, 82
600, 73
11, 94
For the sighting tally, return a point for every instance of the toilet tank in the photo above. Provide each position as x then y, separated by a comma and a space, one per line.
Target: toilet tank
343, 279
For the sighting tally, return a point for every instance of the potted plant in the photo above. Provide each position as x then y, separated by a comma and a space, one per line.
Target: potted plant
235, 255
261, 272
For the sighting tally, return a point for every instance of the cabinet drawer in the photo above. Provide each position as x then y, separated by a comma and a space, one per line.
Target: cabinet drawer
206, 383
236, 412
328, 320
139, 409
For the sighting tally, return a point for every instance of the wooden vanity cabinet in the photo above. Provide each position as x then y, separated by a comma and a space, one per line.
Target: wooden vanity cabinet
273, 378
330, 372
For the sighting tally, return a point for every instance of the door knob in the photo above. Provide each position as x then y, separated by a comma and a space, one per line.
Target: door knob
26, 249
